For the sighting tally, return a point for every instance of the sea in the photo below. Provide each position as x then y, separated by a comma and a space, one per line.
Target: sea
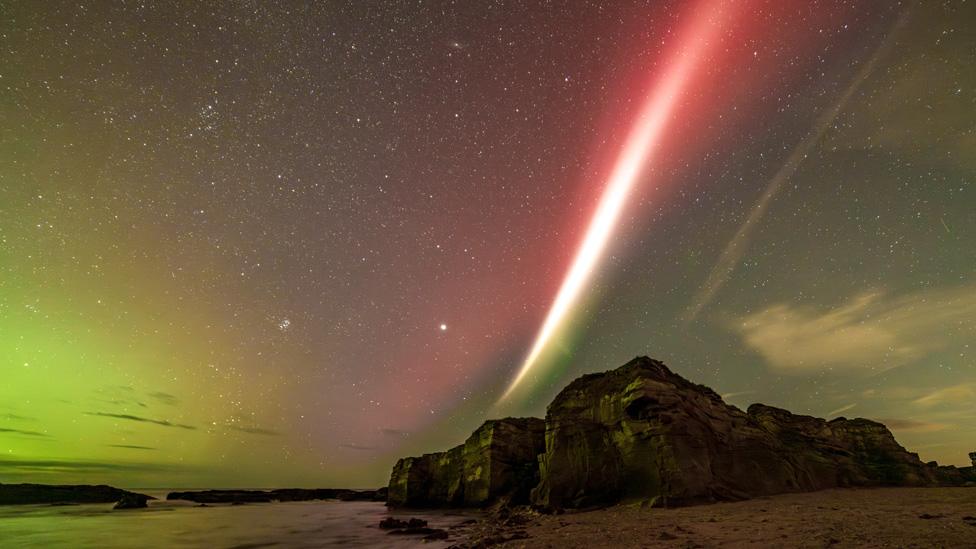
184, 524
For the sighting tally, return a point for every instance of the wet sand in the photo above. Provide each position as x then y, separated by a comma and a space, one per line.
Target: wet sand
880, 517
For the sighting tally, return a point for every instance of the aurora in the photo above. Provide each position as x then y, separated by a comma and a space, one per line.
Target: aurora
637, 153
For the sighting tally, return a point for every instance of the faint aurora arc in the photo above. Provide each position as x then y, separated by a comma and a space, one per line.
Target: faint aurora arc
734, 250
638, 150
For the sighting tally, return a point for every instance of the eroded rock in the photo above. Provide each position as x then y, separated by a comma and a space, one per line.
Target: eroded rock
642, 433
499, 460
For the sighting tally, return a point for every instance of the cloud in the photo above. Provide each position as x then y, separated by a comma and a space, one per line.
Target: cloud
61, 466
255, 430
956, 394
840, 410
732, 254
871, 332
727, 396
23, 432
353, 446
165, 398
393, 432
129, 417
16, 417
131, 447
912, 425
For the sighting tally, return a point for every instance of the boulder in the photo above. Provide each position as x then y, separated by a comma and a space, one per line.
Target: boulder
133, 501
499, 460
390, 523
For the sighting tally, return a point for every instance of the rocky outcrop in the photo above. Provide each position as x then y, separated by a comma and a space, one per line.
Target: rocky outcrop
282, 494
133, 501
644, 433
499, 460
26, 494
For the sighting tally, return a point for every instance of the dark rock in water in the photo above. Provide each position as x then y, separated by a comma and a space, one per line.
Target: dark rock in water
222, 496
428, 533
283, 494
436, 535
644, 433
18, 494
133, 501
499, 460
391, 523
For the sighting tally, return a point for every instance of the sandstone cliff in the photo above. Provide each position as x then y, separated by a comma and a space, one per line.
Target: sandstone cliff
499, 460
642, 432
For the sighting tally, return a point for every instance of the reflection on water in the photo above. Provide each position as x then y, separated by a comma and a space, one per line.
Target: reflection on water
182, 524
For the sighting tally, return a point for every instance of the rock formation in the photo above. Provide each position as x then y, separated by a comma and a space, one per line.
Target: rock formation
644, 433
499, 460
133, 501
281, 494
26, 494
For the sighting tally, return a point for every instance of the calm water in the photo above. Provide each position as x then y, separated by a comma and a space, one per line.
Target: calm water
181, 524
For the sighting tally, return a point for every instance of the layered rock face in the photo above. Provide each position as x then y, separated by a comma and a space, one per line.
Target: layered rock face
642, 432
499, 460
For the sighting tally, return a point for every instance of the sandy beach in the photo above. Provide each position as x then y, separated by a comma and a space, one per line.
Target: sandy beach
882, 517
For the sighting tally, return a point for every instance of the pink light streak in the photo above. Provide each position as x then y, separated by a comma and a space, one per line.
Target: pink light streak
638, 152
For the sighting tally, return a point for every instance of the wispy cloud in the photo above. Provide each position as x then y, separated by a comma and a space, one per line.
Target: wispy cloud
255, 430
393, 432
735, 394
23, 432
912, 425
956, 394
130, 417
870, 332
840, 410
732, 253
61, 465
165, 398
131, 447
354, 446
17, 417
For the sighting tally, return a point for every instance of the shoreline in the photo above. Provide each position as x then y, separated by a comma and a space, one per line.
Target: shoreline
840, 517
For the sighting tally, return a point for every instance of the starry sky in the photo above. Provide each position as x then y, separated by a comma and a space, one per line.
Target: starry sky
278, 244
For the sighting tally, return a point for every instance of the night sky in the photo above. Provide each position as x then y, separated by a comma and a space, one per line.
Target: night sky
265, 244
